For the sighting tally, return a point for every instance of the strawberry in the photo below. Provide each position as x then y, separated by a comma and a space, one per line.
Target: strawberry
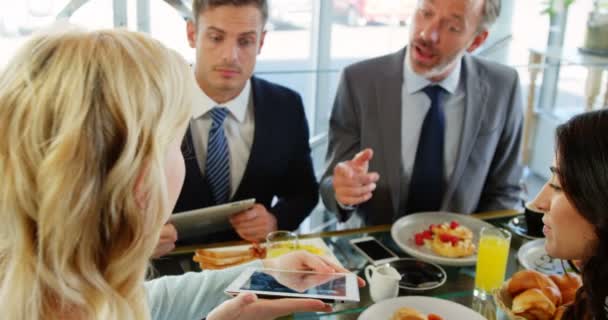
454, 224
418, 239
431, 227
433, 316
444, 237
427, 234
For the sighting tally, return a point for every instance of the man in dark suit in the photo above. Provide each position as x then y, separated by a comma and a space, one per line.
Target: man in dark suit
248, 138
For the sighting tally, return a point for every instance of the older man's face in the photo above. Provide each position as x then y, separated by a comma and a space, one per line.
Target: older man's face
442, 31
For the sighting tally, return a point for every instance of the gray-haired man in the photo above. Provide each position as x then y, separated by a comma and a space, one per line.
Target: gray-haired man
429, 127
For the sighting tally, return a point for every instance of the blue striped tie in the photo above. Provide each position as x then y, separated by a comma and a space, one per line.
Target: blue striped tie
217, 166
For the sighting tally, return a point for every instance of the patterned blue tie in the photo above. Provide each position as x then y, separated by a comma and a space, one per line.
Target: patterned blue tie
427, 183
217, 166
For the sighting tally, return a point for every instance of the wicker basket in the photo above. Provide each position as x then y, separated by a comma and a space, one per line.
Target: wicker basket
504, 301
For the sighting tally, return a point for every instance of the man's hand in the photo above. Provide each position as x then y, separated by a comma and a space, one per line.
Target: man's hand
246, 306
168, 236
254, 224
352, 182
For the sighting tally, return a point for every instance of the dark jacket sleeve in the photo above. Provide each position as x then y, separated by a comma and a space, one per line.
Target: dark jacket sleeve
300, 191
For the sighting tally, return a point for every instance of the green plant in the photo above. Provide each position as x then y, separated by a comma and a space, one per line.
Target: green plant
554, 6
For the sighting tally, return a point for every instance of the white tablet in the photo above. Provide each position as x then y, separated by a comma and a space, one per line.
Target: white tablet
272, 283
215, 218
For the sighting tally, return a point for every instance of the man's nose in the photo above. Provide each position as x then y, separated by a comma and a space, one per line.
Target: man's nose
230, 52
430, 32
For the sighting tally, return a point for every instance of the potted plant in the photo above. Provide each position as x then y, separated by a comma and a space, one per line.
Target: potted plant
596, 37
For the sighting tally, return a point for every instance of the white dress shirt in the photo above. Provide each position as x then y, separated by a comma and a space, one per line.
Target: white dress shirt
239, 128
414, 106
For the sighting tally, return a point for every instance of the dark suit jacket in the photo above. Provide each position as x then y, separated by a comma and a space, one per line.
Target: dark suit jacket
279, 163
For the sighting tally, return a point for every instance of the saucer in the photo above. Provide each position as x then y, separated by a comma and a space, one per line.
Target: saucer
518, 225
532, 256
417, 275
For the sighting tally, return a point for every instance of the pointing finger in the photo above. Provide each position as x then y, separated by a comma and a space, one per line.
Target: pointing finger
362, 158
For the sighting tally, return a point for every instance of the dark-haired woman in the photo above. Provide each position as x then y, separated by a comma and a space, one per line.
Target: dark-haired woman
575, 203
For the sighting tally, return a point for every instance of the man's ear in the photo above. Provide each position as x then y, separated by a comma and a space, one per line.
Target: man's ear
191, 33
479, 39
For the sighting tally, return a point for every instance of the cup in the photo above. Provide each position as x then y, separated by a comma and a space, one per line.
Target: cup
383, 282
492, 257
534, 220
280, 242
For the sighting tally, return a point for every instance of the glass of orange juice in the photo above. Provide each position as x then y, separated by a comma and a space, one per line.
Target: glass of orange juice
492, 256
280, 242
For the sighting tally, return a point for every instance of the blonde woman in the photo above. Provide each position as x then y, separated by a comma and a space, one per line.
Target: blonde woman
90, 168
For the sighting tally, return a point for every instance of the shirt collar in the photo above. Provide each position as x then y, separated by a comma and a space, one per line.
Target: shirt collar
237, 106
415, 82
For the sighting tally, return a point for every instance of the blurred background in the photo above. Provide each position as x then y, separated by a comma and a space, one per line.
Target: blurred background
559, 48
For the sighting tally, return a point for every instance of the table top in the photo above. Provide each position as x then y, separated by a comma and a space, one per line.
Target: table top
571, 55
458, 287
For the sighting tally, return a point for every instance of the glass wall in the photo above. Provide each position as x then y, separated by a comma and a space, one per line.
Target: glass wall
310, 41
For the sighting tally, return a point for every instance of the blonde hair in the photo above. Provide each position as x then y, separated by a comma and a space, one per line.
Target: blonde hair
82, 116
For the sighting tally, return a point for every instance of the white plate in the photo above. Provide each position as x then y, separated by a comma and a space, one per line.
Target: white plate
403, 231
384, 310
533, 256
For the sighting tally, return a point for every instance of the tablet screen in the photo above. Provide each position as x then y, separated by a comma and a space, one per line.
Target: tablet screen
296, 282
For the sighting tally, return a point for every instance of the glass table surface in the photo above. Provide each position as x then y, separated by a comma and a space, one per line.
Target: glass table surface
458, 287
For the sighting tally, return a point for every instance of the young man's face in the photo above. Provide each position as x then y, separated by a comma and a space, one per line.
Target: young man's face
441, 32
227, 41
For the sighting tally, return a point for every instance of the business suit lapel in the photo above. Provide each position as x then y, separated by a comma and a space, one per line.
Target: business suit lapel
476, 96
388, 94
261, 132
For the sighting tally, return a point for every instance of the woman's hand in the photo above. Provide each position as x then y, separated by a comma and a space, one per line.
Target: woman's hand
305, 261
301, 282
247, 306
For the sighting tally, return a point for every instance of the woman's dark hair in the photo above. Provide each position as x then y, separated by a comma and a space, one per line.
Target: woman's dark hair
582, 158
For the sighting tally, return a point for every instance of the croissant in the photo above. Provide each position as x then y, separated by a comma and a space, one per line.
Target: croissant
560, 312
529, 279
533, 304
568, 284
